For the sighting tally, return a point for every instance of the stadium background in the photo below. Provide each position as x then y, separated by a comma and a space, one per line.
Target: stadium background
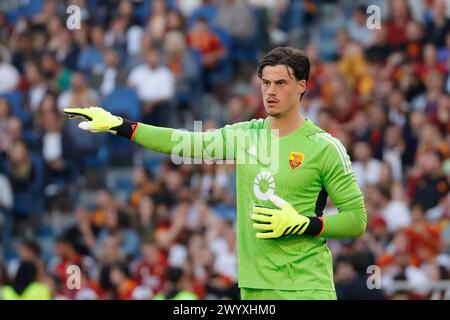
131, 219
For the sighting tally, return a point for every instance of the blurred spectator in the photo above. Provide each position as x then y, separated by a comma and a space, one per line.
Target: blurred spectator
54, 146
187, 7
66, 256
25, 173
6, 204
122, 282
79, 95
112, 76
26, 286
444, 52
414, 36
238, 20
378, 49
367, 169
185, 69
398, 21
223, 246
88, 288
398, 107
438, 25
5, 28
155, 86
422, 235
65, 49
377, 125
36, 85
157, 21
352, 278
150, 271
82, 233
27, 250
91, 60
147, 218
49, 10
108, 255
442, 117
430, 64
13, 132
200, 37
5, 111
9, 75
143, 185
394, 209
57, 76
201, 260
176, 20
357, 27
4, 280
353, 65
177, 286
394, 147
23, 51
428, 185
237, 111
86, 149
117, 223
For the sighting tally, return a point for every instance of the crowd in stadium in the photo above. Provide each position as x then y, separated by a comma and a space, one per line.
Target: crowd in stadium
140, 226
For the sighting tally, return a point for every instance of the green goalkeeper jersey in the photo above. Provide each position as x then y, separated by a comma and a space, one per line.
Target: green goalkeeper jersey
304, 168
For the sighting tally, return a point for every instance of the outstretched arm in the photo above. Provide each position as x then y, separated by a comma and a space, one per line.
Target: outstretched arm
206, 145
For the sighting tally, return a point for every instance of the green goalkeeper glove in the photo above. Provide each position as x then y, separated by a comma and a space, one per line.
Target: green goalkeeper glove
276, 223
100, 120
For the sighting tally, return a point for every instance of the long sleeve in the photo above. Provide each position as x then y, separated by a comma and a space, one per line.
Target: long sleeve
341, 186
211, 145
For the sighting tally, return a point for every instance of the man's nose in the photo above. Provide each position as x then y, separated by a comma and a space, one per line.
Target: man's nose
271, 90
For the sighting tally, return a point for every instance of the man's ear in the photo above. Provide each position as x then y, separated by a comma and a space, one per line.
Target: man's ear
301, 85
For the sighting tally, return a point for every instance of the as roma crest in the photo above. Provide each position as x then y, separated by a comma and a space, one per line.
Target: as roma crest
295, 159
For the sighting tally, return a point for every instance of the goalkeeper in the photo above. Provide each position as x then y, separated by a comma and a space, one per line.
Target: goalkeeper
286, 167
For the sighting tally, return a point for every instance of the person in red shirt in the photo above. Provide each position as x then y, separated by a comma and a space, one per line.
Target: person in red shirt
210, 47
430, 63
65, 257
397, 24
150, 271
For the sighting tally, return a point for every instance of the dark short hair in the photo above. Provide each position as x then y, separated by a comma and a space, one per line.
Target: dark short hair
174, 274
33, 246
290, 57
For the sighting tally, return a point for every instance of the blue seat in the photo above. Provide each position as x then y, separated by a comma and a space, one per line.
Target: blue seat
33, 7
142, 11
24, 9
123, 101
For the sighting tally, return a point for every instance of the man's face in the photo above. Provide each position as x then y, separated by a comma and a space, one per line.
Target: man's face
152, 58
280, 90
78, 82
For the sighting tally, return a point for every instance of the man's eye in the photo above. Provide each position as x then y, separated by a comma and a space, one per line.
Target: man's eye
282, 84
